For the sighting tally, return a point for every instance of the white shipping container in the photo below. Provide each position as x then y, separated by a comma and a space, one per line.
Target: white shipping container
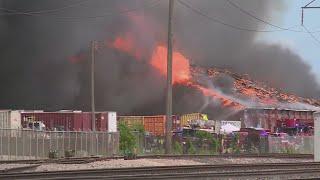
112, 122
234, 123
10, 119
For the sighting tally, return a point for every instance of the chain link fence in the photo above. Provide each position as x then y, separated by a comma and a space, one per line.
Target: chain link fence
29, 144
291, 144
148, 144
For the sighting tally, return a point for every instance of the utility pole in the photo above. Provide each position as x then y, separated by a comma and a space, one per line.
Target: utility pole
168, 142
316, 115
93, 116
307, 6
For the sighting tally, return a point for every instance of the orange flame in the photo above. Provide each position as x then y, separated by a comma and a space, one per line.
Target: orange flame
181, 73
126, 44
180, 64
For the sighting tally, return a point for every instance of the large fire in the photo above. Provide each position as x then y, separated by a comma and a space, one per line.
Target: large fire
181, 71
180, 64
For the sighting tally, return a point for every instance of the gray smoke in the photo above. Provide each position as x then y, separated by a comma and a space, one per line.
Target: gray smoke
35, 71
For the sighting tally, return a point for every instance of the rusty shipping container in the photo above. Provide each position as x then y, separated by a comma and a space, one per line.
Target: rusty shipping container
186, 118
155, 125
71, 120
101, 121
67, 121
130, 120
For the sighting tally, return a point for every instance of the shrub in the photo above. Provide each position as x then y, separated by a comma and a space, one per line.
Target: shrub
69, 153
53, 154
191, 148
127, 140
177, 148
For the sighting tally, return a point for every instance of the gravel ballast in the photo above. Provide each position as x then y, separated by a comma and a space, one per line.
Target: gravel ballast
120, 163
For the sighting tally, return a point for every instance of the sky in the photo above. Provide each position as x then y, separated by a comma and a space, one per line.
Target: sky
301, 43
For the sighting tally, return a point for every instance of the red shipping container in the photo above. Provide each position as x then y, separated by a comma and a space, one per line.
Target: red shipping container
101, 121
69, 121
290, 122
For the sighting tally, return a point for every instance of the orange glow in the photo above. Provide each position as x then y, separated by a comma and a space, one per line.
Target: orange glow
180, 64
126, 44
181, 71
226, 102
77, 58
249, 92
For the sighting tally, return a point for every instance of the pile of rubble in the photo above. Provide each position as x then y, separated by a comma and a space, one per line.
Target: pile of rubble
249, 89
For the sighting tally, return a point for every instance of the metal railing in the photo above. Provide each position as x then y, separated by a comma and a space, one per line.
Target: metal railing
291, 144
29, 144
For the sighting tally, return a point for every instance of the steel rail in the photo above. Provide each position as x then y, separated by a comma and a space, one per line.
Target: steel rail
162, 170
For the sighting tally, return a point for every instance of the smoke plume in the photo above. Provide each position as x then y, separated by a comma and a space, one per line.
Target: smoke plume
45, 58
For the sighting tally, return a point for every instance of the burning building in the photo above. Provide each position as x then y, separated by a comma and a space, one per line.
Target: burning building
130, 65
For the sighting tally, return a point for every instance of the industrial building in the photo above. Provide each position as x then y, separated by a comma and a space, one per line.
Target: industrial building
273, 118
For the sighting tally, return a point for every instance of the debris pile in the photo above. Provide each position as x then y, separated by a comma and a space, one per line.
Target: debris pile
248, 90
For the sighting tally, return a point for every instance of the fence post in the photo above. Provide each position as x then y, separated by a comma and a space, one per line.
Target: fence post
75, 144
69, 140
30, 143
63, 150
9, 144
43, 136
97, 145
1, 153
16, 135
87, 142
107, 143
37, 144
22, 137
50, 143
57, 141
81, 133
102, 148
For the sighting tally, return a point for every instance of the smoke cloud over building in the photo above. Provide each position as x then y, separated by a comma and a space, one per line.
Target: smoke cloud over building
45, 57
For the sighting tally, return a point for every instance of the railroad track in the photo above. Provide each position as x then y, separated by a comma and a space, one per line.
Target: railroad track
80, 160
178, 172
19, 169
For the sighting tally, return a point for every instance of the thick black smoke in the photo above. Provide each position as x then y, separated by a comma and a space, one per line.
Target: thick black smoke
35, 71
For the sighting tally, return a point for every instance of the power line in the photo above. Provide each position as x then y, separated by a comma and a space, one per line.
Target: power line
312, 35
215, 20
259, 19
149, 5
16, 12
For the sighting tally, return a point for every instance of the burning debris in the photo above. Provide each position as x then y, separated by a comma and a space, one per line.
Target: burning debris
130, 67
250, 93
243, 91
